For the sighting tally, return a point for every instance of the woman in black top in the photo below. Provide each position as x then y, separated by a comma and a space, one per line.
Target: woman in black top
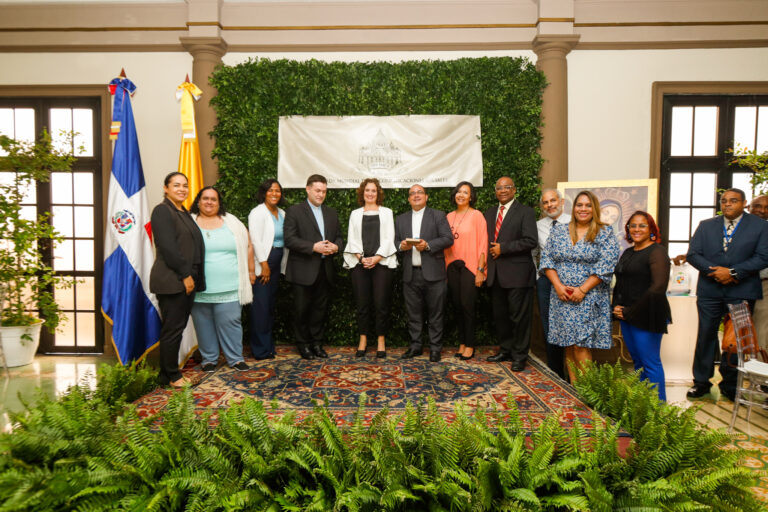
370, 255
177, 272
640, 297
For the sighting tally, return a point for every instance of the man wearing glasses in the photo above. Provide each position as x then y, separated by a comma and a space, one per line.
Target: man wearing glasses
512, 234
421, 235
729, 251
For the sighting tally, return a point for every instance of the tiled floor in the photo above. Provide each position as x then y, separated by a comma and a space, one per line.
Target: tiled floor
52, 374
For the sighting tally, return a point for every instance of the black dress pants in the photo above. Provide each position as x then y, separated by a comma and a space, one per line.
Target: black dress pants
463, 293
372, 289
420, 294
512, 310
311, 310
174, 310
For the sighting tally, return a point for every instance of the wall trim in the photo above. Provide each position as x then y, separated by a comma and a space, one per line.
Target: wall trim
659, 89
669, 23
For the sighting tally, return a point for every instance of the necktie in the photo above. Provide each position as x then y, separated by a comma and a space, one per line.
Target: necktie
499, 218
727, 237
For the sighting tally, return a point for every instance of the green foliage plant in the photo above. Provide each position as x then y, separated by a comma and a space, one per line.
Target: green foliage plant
82, 452
755, 162
504, 92
672, 458
26, 277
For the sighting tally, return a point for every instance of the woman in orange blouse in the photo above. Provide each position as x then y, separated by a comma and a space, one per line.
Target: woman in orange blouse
465, 261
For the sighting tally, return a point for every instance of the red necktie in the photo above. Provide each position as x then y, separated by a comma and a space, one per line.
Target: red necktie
499, 218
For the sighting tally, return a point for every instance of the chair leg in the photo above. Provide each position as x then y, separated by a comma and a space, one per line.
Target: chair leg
735, 406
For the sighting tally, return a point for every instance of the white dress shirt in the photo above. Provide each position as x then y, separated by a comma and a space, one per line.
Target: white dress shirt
416, 218
544, 227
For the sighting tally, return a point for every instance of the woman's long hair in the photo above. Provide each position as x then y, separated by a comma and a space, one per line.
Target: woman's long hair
595, 225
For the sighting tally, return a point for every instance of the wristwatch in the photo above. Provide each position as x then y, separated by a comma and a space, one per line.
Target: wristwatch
733, 273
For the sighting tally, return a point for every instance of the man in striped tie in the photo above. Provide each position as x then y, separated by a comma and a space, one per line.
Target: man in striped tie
511, 273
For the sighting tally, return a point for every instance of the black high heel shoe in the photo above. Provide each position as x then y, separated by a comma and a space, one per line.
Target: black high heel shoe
361, 353
381, 354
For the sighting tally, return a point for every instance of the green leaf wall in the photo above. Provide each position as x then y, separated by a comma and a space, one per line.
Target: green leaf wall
504, 92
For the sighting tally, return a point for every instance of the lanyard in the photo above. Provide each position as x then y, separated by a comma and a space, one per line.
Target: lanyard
728, 237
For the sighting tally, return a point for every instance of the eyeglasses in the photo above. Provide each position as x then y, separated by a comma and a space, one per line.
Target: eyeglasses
416, 193
504, 187
635, 226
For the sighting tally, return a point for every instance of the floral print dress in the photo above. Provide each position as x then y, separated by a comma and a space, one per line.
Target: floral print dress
587, 323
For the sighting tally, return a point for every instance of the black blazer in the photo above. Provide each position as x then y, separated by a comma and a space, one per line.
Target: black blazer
747, 254
179, 250
518, 235
301, 232
437, 232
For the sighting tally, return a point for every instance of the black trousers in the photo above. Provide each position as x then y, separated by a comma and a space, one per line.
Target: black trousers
711, 313
512, 311
372, 290
463, 293
174, 310
311, 310
420, 294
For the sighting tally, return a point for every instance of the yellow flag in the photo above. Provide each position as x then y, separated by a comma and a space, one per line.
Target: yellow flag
189, 156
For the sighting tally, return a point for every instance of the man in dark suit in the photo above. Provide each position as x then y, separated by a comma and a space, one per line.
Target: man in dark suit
421, 235
729, 251
512, 234
313, 236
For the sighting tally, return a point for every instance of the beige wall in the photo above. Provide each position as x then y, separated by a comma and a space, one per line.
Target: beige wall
609, 101
233, 58
609, 95
156, 110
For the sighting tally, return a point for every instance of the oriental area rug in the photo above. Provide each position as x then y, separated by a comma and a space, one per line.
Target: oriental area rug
289, 383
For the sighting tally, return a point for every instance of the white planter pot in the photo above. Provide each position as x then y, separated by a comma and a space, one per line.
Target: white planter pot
19, 352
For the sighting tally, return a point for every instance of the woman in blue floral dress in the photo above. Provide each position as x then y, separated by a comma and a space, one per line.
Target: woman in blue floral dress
579, 259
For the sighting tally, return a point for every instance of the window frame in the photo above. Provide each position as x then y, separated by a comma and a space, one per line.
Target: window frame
97, 97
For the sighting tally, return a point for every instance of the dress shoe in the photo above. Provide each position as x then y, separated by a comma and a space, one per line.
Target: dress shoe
410, 353
434, 356
306, 353
518, 366
497, 358
381, 354
466, 358
360, 353
457, 354
240, 367
697, 391
319, 352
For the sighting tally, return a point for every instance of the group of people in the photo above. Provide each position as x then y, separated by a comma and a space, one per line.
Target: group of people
209, 264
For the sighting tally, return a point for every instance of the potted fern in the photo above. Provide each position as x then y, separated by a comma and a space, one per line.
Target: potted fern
26, 279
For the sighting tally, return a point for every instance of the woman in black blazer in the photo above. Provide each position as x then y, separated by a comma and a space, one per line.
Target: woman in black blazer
177, 272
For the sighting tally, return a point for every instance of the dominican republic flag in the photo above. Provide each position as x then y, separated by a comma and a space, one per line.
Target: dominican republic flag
125, 300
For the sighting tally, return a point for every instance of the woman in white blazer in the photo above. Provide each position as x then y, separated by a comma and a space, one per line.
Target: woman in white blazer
265, 224
371, 256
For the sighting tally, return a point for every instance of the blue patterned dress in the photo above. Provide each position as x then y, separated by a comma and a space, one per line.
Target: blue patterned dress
587, 323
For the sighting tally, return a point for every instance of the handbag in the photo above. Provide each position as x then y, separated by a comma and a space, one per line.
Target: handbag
729, 340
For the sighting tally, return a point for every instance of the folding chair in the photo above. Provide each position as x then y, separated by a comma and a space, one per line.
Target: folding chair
753, 374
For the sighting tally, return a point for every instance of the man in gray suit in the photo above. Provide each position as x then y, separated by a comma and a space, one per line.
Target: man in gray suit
421, 235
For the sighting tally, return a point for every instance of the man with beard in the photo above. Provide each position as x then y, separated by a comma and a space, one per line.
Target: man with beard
552, 208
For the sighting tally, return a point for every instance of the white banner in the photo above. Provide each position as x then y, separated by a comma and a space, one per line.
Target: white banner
434, 151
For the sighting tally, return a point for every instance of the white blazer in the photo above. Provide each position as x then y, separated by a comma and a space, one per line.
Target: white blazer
262, 229
386, 249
